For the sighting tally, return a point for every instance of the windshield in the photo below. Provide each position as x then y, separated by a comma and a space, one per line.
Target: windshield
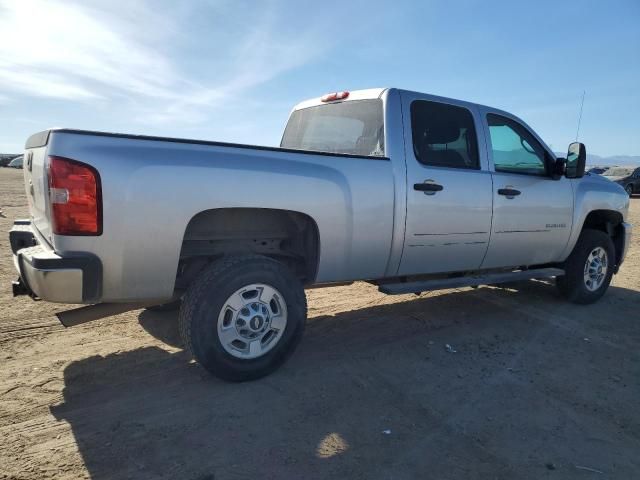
355, 127
618, 172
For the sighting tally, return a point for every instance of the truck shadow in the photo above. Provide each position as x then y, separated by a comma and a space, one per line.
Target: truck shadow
161, 325
150, 413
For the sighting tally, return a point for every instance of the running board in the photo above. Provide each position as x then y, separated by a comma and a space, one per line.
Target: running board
457, 282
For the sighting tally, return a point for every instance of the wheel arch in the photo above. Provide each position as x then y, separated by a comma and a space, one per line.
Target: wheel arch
289, 236
609, 222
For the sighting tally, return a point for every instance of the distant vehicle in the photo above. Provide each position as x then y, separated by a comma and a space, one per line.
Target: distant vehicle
16, 162
598, 170
405, 190
627, 177
5, 159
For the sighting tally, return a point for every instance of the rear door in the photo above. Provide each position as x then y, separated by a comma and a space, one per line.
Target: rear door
532, 213
448, 187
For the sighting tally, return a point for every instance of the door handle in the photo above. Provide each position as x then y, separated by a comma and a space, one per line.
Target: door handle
509, 192
428, 187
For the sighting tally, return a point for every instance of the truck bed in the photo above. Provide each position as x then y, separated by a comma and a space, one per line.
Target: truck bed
153, 186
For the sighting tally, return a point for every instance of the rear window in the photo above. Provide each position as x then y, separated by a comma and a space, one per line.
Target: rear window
354, 127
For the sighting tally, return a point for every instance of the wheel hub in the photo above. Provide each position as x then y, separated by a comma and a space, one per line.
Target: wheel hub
256, 323
252, 321
595, 269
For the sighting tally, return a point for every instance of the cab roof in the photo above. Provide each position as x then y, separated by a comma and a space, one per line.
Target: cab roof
373, 93
367, 94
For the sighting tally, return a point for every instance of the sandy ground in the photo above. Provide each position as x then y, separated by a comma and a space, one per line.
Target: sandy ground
537, 388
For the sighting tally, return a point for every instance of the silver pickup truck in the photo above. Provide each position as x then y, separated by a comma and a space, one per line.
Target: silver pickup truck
408, 191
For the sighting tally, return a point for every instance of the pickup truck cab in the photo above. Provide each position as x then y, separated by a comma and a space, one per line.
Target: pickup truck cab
408, 191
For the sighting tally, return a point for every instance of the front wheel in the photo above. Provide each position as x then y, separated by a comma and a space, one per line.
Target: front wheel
243, 317
589, 268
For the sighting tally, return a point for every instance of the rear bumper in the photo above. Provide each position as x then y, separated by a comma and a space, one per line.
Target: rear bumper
75, 277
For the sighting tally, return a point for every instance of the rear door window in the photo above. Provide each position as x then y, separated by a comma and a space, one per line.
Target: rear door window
444, 135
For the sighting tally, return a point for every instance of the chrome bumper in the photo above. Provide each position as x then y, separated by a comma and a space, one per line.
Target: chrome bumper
73, 278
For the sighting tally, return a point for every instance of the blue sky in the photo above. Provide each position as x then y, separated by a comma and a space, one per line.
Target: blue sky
231, 70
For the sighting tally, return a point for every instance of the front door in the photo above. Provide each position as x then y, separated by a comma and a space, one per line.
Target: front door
532, 213
448, 219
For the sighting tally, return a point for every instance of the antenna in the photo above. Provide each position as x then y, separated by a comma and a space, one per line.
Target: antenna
580, 116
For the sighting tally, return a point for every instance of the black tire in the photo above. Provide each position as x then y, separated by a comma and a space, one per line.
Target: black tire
629, 190
205, 298
572, 284
166, 307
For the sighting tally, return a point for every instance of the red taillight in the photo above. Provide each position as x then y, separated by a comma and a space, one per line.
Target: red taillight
330, 97
75, 195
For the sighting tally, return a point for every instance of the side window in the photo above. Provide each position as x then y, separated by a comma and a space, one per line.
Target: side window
514, 149
444, 135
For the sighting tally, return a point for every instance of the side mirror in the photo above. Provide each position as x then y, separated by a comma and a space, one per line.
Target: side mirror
576, 160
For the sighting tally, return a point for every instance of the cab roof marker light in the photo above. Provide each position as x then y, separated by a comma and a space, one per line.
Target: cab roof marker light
330, 97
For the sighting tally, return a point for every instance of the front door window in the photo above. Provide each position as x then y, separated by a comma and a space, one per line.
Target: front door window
514, 149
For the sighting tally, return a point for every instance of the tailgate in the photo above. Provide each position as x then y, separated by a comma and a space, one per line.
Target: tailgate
36, 183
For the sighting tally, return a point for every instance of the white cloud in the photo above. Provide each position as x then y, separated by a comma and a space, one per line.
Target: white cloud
42, 84
62, 51
97, 52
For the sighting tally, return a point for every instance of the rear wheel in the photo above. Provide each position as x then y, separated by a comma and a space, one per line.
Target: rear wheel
243, 317
589, 268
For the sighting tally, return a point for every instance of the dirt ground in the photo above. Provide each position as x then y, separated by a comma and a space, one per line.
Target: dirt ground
536, 388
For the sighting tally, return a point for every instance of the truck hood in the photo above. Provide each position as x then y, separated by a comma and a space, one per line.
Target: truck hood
615, 179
